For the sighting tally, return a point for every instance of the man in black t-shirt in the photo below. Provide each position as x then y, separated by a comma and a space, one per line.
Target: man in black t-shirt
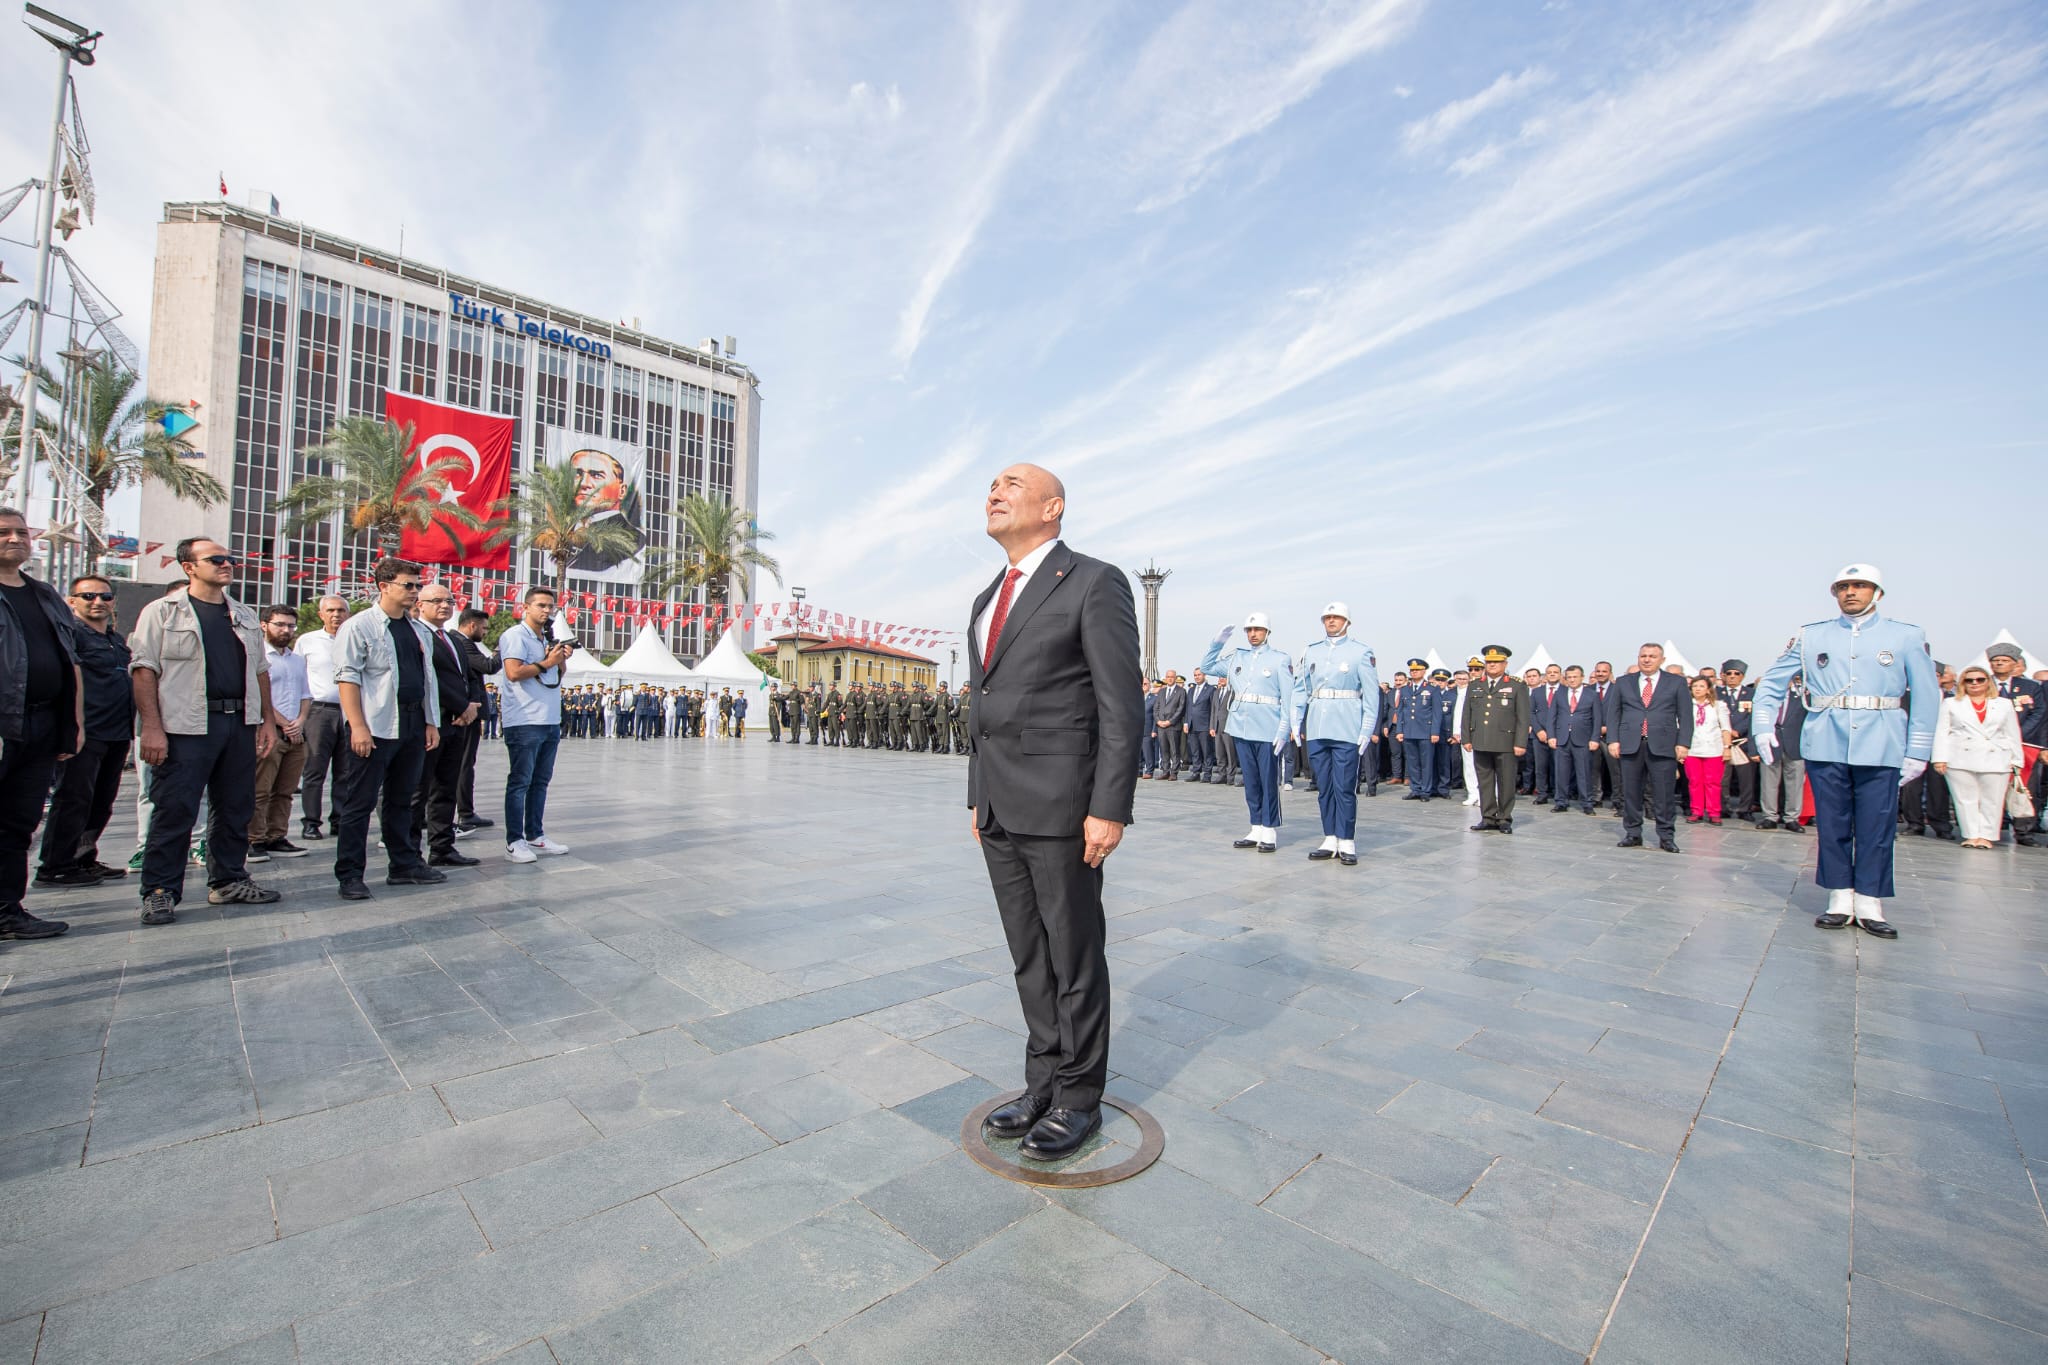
40, 720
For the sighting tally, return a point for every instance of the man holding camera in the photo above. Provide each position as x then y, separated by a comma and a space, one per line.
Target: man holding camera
531, 698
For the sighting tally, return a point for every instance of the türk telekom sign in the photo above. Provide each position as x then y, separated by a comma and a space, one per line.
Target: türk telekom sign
483, 312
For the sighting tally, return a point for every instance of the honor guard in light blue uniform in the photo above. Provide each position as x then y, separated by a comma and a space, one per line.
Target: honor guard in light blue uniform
1261, 705
1336, 707
1871, 703
1418, 725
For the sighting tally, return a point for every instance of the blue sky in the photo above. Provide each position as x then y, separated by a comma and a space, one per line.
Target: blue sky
1567, 322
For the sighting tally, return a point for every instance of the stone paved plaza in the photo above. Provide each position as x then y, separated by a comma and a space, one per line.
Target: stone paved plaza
693, 1093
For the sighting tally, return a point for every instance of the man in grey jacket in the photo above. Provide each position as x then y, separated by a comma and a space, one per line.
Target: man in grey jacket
1169, 713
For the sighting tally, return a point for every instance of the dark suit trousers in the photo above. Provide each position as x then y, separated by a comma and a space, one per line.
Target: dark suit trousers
1643, 770
393, 771
1572, 775
440, 786
1609, 768
1051, 904
465, 790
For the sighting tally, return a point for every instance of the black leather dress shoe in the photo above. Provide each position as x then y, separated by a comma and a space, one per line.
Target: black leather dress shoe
353, 890
1629, 841
1060, 1133
1412, 796
452, 859
1877, 928
1348, 859
2027, 840
1506, 827
1767, 824
1318, 855
418, 876
1668, 844
1483, 826
477, 821
1244, 843
1014, 1119
1560, 808
1793, 827
1831, 921
1269, 848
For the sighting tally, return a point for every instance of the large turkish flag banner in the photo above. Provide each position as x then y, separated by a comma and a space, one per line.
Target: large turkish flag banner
479, 479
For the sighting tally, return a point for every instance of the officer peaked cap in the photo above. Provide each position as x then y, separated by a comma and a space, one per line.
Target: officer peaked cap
1497, 654
1418, 663
1441, 673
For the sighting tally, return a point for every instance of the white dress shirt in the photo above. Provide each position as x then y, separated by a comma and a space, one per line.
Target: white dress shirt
1026, 566
316, 647
287, 680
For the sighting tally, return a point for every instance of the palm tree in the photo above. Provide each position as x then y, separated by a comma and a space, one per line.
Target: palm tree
720, 542
547, 513
378, 487
121, 438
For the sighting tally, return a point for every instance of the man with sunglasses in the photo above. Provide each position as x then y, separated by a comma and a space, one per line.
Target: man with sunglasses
40, 716
90, 780
384, 670
202, 696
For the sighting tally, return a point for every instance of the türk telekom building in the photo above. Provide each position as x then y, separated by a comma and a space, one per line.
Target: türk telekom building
277, 330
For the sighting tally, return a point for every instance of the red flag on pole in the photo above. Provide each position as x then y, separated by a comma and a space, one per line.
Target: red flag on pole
479, 475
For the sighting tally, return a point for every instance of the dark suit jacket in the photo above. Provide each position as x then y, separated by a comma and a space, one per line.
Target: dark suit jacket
1668, 708
458, 684
1576, 728
1059, 711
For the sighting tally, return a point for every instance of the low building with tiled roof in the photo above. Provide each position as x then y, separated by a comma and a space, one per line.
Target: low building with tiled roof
804, 657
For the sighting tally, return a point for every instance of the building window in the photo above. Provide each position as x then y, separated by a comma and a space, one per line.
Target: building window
690, 415
465, 363
721, 445
419, 351
315, 401
588, 412
508, 383
259, 407
369, 355
625, 403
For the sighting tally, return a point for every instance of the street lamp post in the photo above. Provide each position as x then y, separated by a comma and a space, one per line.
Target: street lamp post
76, 47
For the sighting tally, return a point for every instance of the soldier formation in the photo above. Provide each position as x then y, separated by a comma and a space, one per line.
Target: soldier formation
623, 711
913, 719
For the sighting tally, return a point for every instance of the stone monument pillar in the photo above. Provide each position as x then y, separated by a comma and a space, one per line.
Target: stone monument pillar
1152, 576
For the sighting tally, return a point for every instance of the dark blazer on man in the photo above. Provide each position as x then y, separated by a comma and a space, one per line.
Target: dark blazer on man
1576, 726
1626, 716
1059, 712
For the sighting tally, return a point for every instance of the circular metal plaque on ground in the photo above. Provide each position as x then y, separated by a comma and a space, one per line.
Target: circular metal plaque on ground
1152, 1141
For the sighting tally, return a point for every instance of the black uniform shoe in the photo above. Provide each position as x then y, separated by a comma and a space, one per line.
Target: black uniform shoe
310, 831
1269, 848
1767, 824
1831, 921
417, 876
1372, 790
353, 890
1244, 843
1629, 841
1348, 859
1412, 796
1560, 808
1015, 1118
452, 859
1877, 928
1317, 855
1483, 826
1506, 827
1793, 827
1060, 1133
1668, 845
70, 876
16, 922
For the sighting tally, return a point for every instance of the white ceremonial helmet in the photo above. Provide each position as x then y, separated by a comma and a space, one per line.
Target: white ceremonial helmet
1337, 609
1256, 621
1864, 573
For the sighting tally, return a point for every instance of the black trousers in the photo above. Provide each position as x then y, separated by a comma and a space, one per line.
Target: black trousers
437, 794
87, 784
1738, 787
1051, 905
1496, 774
1643, 771
326, 737
25, 766
392, 770
1923, 801
220, 765
1608, 767
465, 790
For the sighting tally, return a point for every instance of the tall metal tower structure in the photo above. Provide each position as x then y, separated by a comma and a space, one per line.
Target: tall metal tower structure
1152, 576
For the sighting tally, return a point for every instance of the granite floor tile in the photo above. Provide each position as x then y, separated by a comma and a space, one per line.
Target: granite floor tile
52, 1092
1603, 1227
1982, 1253
1177, 1320
1891, 1326
171, 1104
951, 1205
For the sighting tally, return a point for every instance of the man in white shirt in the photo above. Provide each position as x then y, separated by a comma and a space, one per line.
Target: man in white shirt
325, 735
278, 773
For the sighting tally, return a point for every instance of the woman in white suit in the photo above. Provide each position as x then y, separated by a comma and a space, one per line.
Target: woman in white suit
1977, 748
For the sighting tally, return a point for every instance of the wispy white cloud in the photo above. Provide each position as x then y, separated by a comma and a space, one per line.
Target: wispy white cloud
1433, 131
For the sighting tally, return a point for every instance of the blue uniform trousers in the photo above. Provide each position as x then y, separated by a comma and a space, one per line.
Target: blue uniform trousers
1450, 772
1421, 755
1261, 768
1148, 760
1201, 753
1335, 764
1856, 811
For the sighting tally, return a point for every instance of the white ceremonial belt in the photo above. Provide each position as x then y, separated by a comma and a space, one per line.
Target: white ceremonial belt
1253, 696
1853, 703
1337, 692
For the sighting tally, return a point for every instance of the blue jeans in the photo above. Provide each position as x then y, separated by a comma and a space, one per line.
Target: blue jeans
530, 756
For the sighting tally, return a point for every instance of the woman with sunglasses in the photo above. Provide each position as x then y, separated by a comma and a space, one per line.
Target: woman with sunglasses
1977, 748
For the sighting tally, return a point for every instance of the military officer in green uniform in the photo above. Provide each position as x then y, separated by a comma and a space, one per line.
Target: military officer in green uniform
835, 717
894, 715
1496, 735
962, 705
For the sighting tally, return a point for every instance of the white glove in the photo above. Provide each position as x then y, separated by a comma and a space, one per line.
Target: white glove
1225, 634
1911, 769
1766, 748
1363, 745
1280, 745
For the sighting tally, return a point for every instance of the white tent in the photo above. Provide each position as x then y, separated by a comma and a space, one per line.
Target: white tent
727, 666
1672, 656
647, 660
585, 667
1434, 660
1540, 659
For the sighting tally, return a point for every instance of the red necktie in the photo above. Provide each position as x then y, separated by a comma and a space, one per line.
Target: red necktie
1649, 686
995, 623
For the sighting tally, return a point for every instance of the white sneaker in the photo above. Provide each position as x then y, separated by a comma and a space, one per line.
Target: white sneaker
547, 846
519, 852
